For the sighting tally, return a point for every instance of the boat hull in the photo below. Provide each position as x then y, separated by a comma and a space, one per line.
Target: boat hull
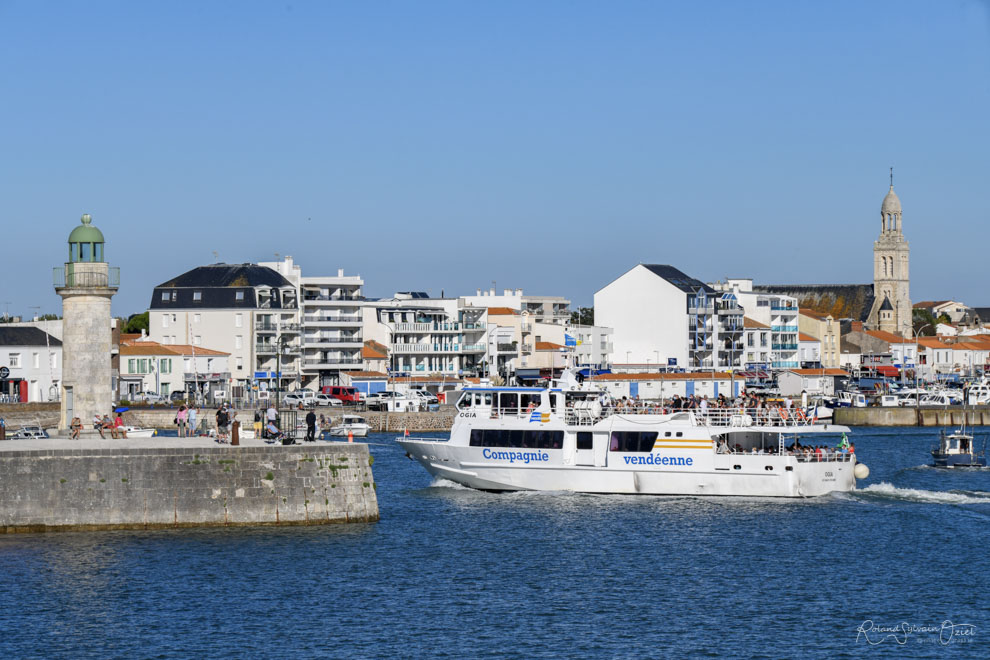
958, 460
752, 475
340, 432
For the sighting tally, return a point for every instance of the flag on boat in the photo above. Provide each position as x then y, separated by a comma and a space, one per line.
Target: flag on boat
537, 416
570, 341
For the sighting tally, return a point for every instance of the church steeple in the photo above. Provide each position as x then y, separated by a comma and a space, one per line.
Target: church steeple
892, 307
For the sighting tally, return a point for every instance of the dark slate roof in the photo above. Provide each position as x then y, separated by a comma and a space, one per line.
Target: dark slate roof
228, 275
218, 285
414, 294
886, 306
840, 301
25, 337
983, 313
683, 282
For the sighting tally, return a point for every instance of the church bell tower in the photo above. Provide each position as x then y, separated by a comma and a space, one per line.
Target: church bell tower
892, 310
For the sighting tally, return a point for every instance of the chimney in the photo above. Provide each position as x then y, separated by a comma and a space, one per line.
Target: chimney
340, 272
857, 326
479, 292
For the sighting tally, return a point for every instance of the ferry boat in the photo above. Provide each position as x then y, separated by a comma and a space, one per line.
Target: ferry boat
573, 437
957, 450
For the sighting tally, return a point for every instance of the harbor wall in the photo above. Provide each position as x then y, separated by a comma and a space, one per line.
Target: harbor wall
17, 415
908, 416
148, 488
162, 418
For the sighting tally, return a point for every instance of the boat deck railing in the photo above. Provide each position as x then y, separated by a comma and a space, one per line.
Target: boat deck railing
587, 413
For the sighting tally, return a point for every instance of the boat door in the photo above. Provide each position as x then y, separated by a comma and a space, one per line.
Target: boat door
590, 448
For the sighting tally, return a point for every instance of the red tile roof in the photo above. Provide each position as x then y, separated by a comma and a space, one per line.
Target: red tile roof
502, 311
752, 323
699, 375
888, 337
804, 337
368, 353
365, 374
549, 346
819, 372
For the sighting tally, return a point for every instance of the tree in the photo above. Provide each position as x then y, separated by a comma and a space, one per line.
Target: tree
583, 316
921, 318
136, 323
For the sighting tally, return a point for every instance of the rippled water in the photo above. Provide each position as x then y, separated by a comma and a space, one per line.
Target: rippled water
450, 572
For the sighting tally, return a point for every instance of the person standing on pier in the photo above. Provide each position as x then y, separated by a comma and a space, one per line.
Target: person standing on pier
192, 421
311, 426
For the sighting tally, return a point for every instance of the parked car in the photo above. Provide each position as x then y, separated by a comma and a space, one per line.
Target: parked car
295, 398
177, 396
327, 400
345, 394
424, 395
379, 399
147, 397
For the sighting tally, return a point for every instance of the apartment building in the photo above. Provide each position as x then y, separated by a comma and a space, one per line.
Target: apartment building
331, 320
778, 311
658, 313
828, 332
246, 310
428, 335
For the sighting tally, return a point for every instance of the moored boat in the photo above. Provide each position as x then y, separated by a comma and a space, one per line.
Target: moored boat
957, 450
350, 425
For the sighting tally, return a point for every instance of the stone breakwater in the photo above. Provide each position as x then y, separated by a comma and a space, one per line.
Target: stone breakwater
162, 418
910, 416
101, 488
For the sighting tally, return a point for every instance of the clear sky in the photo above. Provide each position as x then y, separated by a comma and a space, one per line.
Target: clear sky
543, 145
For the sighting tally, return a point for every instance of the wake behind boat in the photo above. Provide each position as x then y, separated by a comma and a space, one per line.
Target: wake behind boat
574, 438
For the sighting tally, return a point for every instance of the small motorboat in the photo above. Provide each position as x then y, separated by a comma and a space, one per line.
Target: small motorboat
136, 432
29, 433
351, 425
957, 450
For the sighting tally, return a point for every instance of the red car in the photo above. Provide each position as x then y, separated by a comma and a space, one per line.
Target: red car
345, 394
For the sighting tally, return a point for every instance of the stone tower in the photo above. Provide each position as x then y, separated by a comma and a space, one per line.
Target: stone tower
892, 307
86, 285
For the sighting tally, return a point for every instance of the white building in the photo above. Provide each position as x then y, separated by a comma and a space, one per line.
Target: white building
331, 322
542, 309
33, 360
660, 314
794, 382
245, 310
591, 344
780, 312
147, 366
428, 335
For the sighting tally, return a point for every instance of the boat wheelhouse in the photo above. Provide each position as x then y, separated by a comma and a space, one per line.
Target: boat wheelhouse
958, 450
576, 438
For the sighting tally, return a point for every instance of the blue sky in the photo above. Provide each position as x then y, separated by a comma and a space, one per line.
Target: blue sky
444, 145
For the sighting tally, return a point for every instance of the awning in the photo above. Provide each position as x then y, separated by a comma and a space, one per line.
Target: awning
528, 374
753, 375
887, 370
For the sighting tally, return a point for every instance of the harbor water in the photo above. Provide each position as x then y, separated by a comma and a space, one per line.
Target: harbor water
451, 572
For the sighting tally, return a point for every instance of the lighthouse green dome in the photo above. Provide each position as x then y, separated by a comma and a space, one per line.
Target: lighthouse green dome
86, 242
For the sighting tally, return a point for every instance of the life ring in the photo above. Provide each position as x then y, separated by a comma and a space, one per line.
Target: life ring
782, 413
800, 415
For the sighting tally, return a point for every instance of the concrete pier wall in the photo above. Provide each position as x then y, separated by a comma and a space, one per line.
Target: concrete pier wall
973, 416
160, 418
145, 488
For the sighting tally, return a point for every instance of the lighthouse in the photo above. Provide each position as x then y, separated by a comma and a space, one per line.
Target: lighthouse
86, 285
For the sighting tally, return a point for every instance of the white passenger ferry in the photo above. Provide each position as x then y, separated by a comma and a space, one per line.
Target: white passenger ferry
576, 438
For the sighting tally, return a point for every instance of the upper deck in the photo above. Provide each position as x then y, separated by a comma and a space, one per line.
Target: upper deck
589, 407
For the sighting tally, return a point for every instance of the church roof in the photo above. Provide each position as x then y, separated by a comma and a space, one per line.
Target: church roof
840, 301
891, 203
886, 306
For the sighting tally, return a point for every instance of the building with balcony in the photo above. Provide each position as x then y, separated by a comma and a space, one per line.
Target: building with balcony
429, 335
658, 313
778, 311
591, 345
541, 309
330, 320
248, 311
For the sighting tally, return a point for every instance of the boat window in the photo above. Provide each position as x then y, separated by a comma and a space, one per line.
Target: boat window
526, 399
508, 400
666, 434
629, 441
488, 399
520, 439
465, 401
477, 399
584, 440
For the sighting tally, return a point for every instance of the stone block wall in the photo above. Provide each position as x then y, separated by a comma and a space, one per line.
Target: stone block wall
161, 418
88, 489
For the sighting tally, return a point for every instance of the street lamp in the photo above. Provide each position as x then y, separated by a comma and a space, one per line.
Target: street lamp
917, 393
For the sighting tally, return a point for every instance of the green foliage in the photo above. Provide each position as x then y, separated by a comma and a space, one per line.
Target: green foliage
136, 323
269, 477
922, 318
583, 316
